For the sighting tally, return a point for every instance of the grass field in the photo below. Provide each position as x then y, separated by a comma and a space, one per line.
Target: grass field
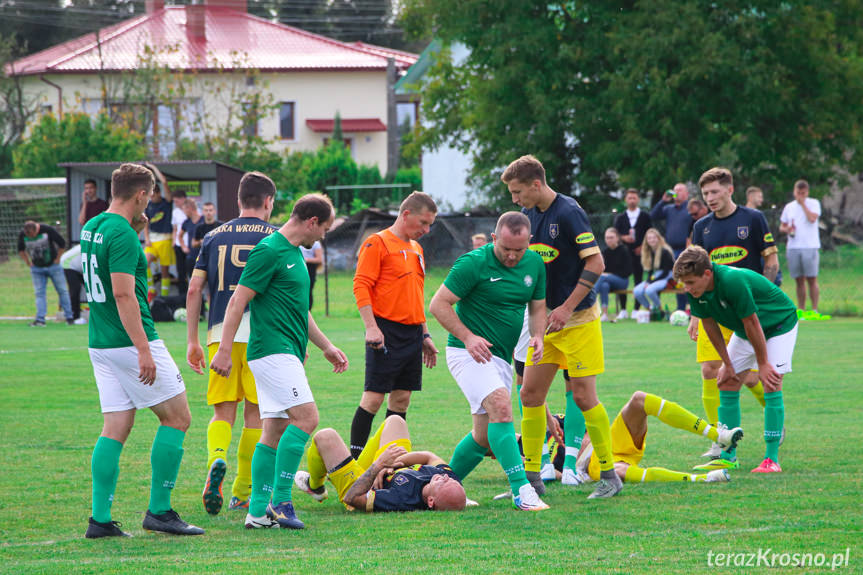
50, 420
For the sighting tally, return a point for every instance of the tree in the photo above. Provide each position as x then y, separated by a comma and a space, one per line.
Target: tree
16, 109
626, 93
75, 138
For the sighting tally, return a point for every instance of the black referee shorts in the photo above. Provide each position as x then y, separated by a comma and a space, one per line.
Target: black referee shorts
399, 364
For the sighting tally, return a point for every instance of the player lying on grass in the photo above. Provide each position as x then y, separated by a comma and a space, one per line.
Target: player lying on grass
387, 476
629, 432
764, 322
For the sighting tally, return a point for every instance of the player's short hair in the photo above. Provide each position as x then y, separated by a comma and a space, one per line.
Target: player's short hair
479, 237
30, 227
513, 221
314, 205
525, 169
91, 181
631, 191
697, 202
693, 261
721, 175
190, 202
209, 204
417, 201
129, 179
254, 189
178, 194
753, 190
612, 229
801, 185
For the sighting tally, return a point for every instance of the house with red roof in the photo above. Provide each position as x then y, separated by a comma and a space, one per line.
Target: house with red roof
218, 63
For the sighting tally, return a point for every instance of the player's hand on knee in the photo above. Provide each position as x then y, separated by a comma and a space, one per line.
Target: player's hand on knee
479, 348
195, 358
336, 357
391, 455
727, 377
769, 377
146, 368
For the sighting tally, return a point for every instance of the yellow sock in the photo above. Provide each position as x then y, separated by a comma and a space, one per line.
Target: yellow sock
758, 391
710, 399
533, 436
674, 415
218, 441
599, 430
242, 487
367, 455
317, 469
166, 286
635, 474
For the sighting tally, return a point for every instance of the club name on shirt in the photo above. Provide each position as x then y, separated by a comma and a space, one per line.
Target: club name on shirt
728, 254
546, 252
88, 236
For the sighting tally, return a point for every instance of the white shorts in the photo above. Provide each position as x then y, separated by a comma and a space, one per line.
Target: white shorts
779, 351
520, 351
116, 370
281, 383
478, 380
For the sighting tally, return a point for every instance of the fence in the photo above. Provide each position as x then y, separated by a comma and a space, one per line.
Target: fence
18, 203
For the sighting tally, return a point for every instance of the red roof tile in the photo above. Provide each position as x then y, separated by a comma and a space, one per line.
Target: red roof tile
348, 125
234, 40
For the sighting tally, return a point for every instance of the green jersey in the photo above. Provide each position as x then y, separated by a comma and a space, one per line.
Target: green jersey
277, 272
492, 296
739, 293
110, 245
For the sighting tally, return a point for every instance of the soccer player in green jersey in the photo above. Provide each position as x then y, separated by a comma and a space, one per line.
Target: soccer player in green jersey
764, 322
133, 369
275, 286
481, 304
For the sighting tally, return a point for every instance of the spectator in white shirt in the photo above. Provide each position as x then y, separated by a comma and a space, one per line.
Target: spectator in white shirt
800, 221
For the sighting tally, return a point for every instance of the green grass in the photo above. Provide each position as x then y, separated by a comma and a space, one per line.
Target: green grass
50, 420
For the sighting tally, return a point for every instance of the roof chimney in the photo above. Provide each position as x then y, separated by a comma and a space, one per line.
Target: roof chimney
239, 5
196, 15
154, 5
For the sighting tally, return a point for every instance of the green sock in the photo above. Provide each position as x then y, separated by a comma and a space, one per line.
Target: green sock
292, 445
546, 454
573, 431
729, 414
501, 439
518, 395
165, 458
467, 455
105, 467
263, 471
774, 420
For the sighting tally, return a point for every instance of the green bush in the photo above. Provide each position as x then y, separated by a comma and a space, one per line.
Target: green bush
75, 138
412, 176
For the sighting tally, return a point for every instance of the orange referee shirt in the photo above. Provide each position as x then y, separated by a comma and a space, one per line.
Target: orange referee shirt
390, 277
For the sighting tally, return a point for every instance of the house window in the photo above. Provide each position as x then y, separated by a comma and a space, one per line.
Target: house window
286, 120
45, 109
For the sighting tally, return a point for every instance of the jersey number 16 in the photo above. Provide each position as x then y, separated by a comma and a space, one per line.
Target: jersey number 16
92, 283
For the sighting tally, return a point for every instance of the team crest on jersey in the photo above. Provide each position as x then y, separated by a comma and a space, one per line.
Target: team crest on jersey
584, 238
553, 230
742, 232
528, 281
399, 479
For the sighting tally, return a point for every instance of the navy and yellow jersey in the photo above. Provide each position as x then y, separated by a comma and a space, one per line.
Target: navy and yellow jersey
562, 236
403, 489
740, 240
159, 214
223, 256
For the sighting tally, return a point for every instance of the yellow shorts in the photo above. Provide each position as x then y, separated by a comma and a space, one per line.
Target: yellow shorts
705, 351
163, 250
345, 476
623, 448
237, 386
578, 349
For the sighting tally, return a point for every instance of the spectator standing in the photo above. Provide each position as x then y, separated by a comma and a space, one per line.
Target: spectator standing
754, 198
314, 257
188, 229
70, 261
209, 224
178, 217
40, 247
632, 225
799, 220
478, 240
697, 210
674, 209
618, 268
658, 262
91, 204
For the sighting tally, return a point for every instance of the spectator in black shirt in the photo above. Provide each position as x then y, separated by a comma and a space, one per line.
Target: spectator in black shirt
632, 224
618, 268
209, 224
40, 247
